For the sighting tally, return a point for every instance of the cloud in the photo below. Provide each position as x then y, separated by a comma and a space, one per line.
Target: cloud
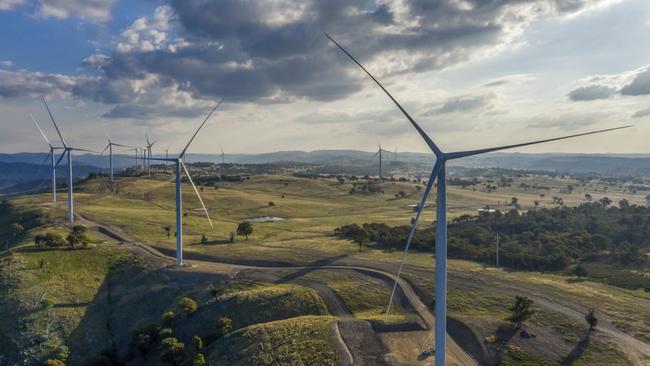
190, 52
92, 10
25, 83
6, 64
642, 113
10, 4
466, 103
145, 112
567, 121
591, 92
640, 85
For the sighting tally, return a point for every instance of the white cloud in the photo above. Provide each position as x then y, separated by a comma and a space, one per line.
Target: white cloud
10, 4
6, 63
92, 10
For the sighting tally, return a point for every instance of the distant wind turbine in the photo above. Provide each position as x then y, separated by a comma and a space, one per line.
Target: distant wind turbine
438, 173
50, 155
380, 152
109, 147
66, 150
148, 154
179, 199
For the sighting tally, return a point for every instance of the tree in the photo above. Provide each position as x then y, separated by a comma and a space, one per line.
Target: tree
188, 305
172, 350
168, 317
624, 203
271, 203
605, 201
520, 311
362, 238
15, 229
245, 228
168, 230
54, 362
514, 201
591, 319
199, 360
580, 271
588, 197
204, 239
77, 237
224, 325
198, 343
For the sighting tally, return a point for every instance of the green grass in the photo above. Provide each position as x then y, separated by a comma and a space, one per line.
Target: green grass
44, 307
297, 341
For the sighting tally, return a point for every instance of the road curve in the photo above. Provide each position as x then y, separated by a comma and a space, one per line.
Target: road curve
454, 351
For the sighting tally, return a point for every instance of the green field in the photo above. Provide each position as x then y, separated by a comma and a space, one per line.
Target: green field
66, 304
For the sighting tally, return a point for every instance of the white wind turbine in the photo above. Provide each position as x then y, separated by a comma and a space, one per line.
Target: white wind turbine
148, 154
380, 153
66, 150
51, 156
438, 173
109, 147
179, 199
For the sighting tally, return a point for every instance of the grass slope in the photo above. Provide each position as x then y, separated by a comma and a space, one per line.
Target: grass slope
297, 341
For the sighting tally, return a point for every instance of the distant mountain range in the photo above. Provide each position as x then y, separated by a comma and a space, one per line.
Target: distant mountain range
22, 169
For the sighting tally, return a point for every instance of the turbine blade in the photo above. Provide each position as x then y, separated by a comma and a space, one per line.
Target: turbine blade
86, 150
120, 145
147, 137
107, 136
48, 156
426, 138
427, 191
201, 126
106, 148
197, 192
462, 154
53, 121
40, 130
62, 156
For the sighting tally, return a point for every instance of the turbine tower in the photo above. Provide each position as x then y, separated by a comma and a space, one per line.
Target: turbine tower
438, 173
148, 154
66, 150
179, 199
50, 155
109, 147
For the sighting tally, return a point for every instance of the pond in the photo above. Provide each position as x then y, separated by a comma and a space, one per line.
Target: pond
265, 219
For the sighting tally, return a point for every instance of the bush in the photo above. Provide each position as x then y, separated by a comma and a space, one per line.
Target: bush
224, 325
198, 343
143, 343
165, 333
172, 350
54, 362
188, 305
77, 237
271, 203
204, 239
168, 317
199, 360
245, 229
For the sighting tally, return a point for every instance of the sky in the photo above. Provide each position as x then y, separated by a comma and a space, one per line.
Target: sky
473, 73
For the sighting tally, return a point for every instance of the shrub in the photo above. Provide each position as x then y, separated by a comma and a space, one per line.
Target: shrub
168, 317
271, 203
143, 343
172, 350
199, 360
520, 311
204, 239
198, 343
245, 229
188, 305
224, 325
54, 362
165, 333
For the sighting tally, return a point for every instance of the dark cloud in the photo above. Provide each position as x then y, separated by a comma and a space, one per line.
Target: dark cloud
591, 92
639, 86
145, 112
642, 113
274, 51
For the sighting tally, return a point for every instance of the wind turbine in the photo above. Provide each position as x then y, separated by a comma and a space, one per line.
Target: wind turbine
49, 156
109, 147
380, 152
148, 154
179, 199
438, 172
66, 150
